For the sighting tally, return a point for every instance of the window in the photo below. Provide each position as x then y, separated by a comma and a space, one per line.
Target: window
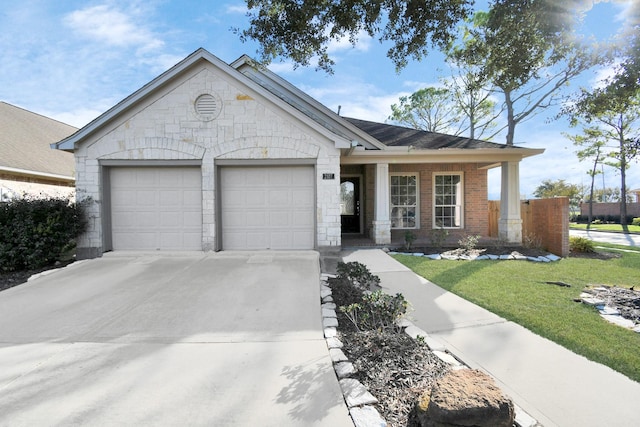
447, 200
404, 201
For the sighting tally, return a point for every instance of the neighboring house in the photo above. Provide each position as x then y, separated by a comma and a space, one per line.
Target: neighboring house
28, 165
216, 156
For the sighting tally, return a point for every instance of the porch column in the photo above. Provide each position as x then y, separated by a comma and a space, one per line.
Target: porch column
381, 222
510, 223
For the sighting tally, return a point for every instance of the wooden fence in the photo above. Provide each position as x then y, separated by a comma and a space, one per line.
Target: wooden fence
545, 221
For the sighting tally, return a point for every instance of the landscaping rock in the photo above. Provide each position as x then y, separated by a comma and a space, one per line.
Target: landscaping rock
344, 369
355, 394
464, 398
366, 416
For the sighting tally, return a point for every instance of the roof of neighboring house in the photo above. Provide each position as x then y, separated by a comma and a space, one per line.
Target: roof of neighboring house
399, 136
24, 143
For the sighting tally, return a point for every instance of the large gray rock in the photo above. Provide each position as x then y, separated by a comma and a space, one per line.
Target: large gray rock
464, 397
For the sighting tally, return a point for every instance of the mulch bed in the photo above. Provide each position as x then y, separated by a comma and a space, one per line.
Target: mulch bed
9, 279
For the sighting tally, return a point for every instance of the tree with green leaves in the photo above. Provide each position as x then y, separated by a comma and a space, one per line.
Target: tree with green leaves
432, 109
303, 30
592, 142
528, 51
559, 188
617, 118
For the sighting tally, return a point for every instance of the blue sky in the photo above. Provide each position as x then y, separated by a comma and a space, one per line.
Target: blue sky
73, 60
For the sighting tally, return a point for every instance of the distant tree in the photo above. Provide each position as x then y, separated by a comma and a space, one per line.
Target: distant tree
618, 119
432, 109
473, 97
592, 142
559, 188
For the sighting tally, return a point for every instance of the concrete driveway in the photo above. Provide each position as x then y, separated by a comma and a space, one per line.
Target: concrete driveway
182, 339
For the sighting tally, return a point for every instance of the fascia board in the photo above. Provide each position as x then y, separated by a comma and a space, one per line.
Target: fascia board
26, 172
490, 156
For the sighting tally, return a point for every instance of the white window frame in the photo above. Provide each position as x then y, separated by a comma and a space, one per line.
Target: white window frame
416, 175
458, 205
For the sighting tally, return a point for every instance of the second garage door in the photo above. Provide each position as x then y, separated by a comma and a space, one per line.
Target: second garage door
268, 207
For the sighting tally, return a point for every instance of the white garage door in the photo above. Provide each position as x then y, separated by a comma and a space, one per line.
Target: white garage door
268, 207
156, 208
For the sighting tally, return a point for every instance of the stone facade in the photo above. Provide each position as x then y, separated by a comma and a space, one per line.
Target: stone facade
165, 128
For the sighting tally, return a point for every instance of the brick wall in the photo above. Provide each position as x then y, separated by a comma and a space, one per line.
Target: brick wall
476, 221
609, 209
545, 221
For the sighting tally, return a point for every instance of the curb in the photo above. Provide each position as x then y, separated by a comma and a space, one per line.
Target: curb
358, 399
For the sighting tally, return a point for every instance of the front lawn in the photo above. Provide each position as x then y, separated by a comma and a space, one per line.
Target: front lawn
614, 228
516, 290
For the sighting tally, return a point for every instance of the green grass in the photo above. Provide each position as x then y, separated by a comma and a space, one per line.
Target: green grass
615, 228
516, 291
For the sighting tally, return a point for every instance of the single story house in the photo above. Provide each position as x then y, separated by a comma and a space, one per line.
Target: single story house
217, 156
28, 165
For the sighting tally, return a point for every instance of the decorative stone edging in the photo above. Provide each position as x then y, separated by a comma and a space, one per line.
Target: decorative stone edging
358, 399
546, 258
610, 314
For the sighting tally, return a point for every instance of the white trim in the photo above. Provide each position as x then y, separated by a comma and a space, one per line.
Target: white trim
459, 199
417, 207
38, 174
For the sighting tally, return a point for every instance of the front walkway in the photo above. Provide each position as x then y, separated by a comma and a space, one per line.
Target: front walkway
550, 383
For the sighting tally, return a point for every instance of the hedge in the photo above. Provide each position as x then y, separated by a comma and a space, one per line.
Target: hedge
37, 232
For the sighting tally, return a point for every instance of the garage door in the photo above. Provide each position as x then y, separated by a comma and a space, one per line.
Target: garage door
268, 207
156, 208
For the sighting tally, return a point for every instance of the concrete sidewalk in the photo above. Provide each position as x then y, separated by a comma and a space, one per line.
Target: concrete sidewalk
552, 384
605, 237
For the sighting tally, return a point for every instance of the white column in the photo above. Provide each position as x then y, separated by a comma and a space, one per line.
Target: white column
381, 222
510, 223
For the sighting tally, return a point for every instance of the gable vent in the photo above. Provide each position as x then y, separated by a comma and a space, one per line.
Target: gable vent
207, 107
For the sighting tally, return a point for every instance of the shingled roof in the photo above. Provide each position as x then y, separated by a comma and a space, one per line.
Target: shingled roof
398, 136
24, 143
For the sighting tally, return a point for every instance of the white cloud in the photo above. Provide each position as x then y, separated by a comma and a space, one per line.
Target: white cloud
113, 27
363, 43
236, 8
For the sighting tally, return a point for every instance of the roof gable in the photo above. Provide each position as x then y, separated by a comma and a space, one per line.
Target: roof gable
170, 75
305, 103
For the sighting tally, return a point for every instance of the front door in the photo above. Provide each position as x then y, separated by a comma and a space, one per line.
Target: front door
350, 204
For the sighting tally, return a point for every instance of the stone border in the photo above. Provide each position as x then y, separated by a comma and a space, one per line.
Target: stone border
358, 399
546, 258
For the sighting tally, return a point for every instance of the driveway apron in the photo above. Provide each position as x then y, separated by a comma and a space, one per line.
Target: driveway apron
219, 339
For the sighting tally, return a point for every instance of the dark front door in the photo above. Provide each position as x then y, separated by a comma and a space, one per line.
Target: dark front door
350, 204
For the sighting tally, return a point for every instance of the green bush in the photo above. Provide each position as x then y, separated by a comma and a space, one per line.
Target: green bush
377, 311
357, 274
37, 232
580, 244
635, 221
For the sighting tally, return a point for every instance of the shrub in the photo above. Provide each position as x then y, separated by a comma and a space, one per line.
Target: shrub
531, 241
635, 221
580, 244
469, 242
358, 274
37, 232
377, 311
438, 237
409, 238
